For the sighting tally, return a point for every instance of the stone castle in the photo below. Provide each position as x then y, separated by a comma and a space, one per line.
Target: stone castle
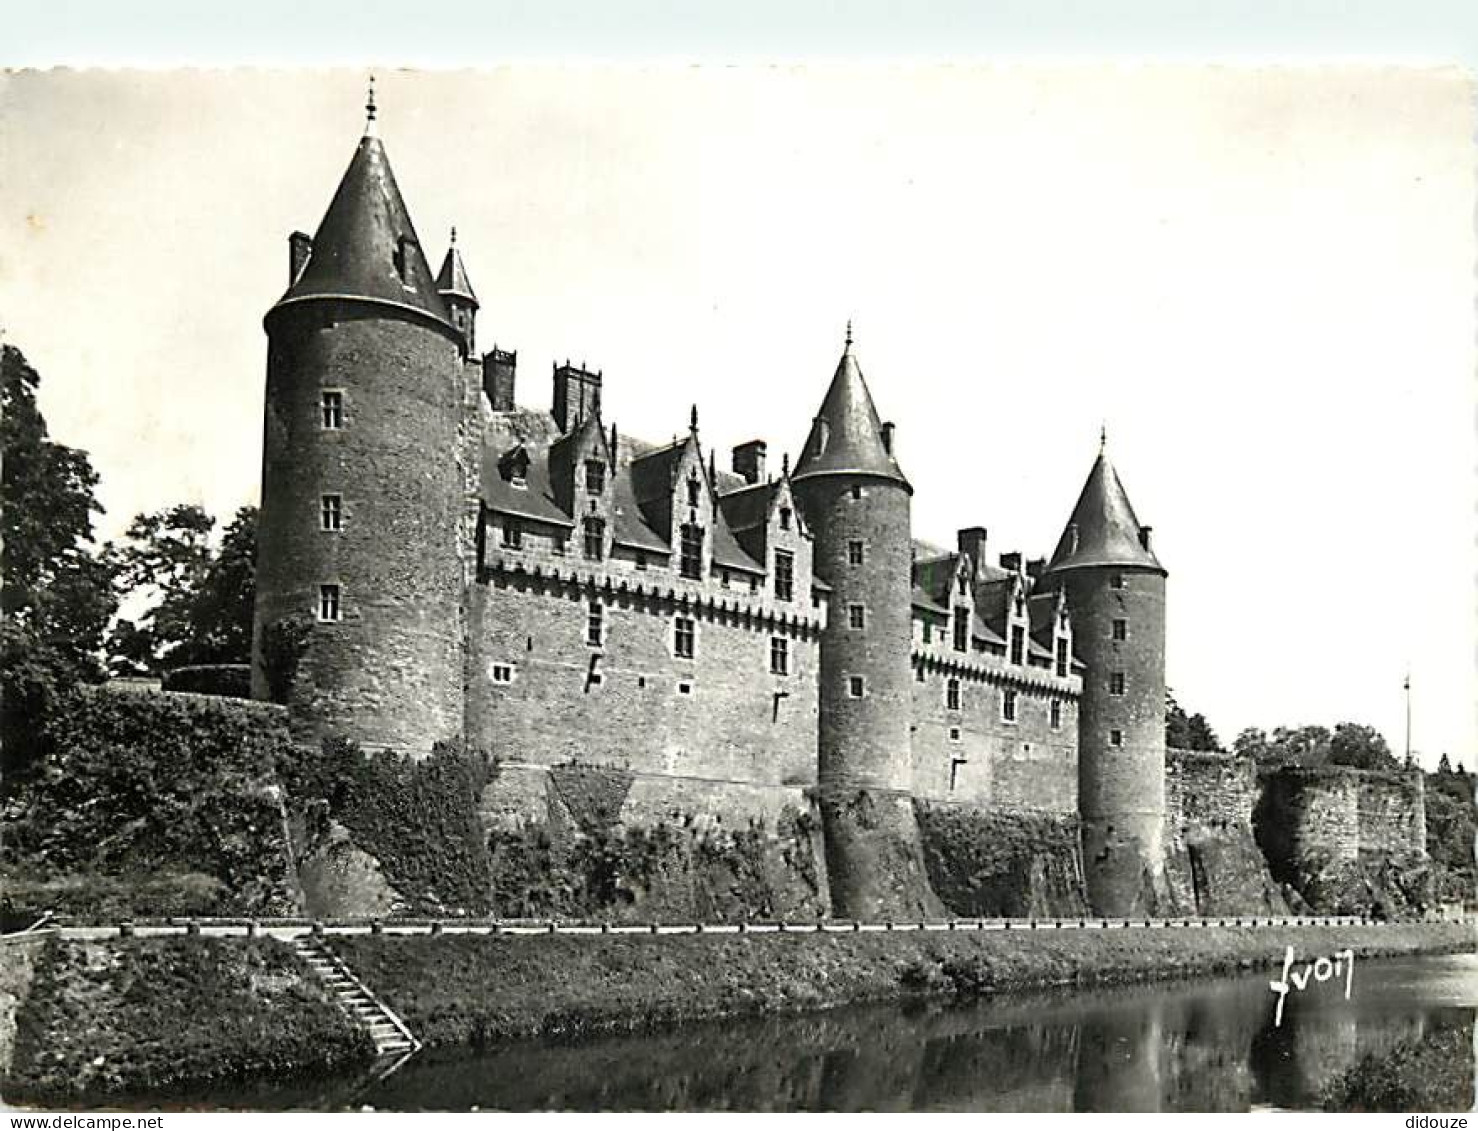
746, 644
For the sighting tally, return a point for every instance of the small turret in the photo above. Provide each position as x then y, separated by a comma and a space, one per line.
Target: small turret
456, 291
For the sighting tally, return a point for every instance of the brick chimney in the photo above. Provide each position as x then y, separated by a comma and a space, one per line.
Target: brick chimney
499, 369
576, 394
971, 543
749, 461
1011, 562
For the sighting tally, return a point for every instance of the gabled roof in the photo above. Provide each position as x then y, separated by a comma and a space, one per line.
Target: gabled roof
360, 239
847, 435
534, 500
452, 278
936, 576
1103, 530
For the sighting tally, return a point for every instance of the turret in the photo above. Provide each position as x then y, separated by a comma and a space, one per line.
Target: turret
856, 502
456, 292
1115, 590
361, 487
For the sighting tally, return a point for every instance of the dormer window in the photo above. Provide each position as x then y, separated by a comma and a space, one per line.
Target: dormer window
514, 467
1061, 657
784, 518
403, 257
595, 476
694, 490
595, 537
962, 629
690, 562
1018, 643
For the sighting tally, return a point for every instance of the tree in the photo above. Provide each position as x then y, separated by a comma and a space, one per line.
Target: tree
1187, 732
199, 598
1360, 746
57, 593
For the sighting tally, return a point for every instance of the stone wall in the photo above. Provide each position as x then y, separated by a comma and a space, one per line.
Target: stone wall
1346, 840
974, 754
540, 693
1214, 864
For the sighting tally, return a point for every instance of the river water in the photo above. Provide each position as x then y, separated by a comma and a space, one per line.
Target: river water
1185, 1046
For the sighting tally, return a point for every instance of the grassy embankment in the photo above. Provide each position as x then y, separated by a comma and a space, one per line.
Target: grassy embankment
484, 989
172, 1016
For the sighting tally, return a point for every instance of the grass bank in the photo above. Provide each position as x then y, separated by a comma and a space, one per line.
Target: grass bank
171, 1016
482, 989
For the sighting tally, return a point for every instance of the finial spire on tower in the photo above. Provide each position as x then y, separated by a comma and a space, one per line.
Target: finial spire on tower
1103, 438
848, 344
693, 419
369, 110
454, 235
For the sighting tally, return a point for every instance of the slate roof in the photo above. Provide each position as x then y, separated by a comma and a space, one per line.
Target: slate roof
452, 278
357, 243
847, 434
1107, 531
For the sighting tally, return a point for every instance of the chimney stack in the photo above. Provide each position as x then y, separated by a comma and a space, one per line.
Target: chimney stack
749, 461
971, 543
1144, 536
498, 372
576, 395
1011, 562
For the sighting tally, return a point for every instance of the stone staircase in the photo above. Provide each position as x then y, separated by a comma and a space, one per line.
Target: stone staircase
393, 1041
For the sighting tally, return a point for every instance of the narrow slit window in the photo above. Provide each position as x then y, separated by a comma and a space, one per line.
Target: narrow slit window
952, 695
1008, 706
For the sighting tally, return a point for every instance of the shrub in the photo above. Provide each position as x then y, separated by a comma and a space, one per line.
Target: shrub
231, 680
418, 818
140, 783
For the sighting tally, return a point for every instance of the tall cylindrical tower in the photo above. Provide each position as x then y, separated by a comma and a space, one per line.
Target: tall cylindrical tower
361, 486
1116, 597
857, 502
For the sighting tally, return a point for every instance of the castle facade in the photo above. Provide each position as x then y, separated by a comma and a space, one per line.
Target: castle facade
745, 641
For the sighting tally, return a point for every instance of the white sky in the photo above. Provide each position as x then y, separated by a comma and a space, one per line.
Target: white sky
1262, 279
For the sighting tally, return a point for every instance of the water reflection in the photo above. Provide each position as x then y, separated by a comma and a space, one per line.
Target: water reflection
1207, 1046
1203, 1047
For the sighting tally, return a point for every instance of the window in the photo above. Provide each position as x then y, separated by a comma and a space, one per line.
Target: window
331, 512
918, 673
954, 772
332, 403
595, 537
1116, 683
595, 625
856, 688
595, 476
928, 632
685, 688
502, 673
784, 518
512, 532
856, 616
683, 636
779, 655
1008, 706
854, 552
641, 560
691, 562
954, 734
1116, 738
1121, 630
1055, 714
856, 492
328, 602
1062, 657
962, 628
784, 575
1116, 581
694, 489
952, 695
1018, 643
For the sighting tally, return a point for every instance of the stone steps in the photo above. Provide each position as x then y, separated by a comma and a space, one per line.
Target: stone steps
390, 1036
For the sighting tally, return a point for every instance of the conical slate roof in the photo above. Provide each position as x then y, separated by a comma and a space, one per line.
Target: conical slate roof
452, 278
366, 246
1103, 530
847, 434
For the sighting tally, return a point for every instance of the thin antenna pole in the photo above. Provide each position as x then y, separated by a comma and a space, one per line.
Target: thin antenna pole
1407, 688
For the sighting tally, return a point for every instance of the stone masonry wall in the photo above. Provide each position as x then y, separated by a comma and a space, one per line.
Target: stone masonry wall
1214, 863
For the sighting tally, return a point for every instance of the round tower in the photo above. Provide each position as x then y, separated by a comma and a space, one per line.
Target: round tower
1116, 596
857, 504
358, 603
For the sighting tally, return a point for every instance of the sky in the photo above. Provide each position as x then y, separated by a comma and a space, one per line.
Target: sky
1259, 279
